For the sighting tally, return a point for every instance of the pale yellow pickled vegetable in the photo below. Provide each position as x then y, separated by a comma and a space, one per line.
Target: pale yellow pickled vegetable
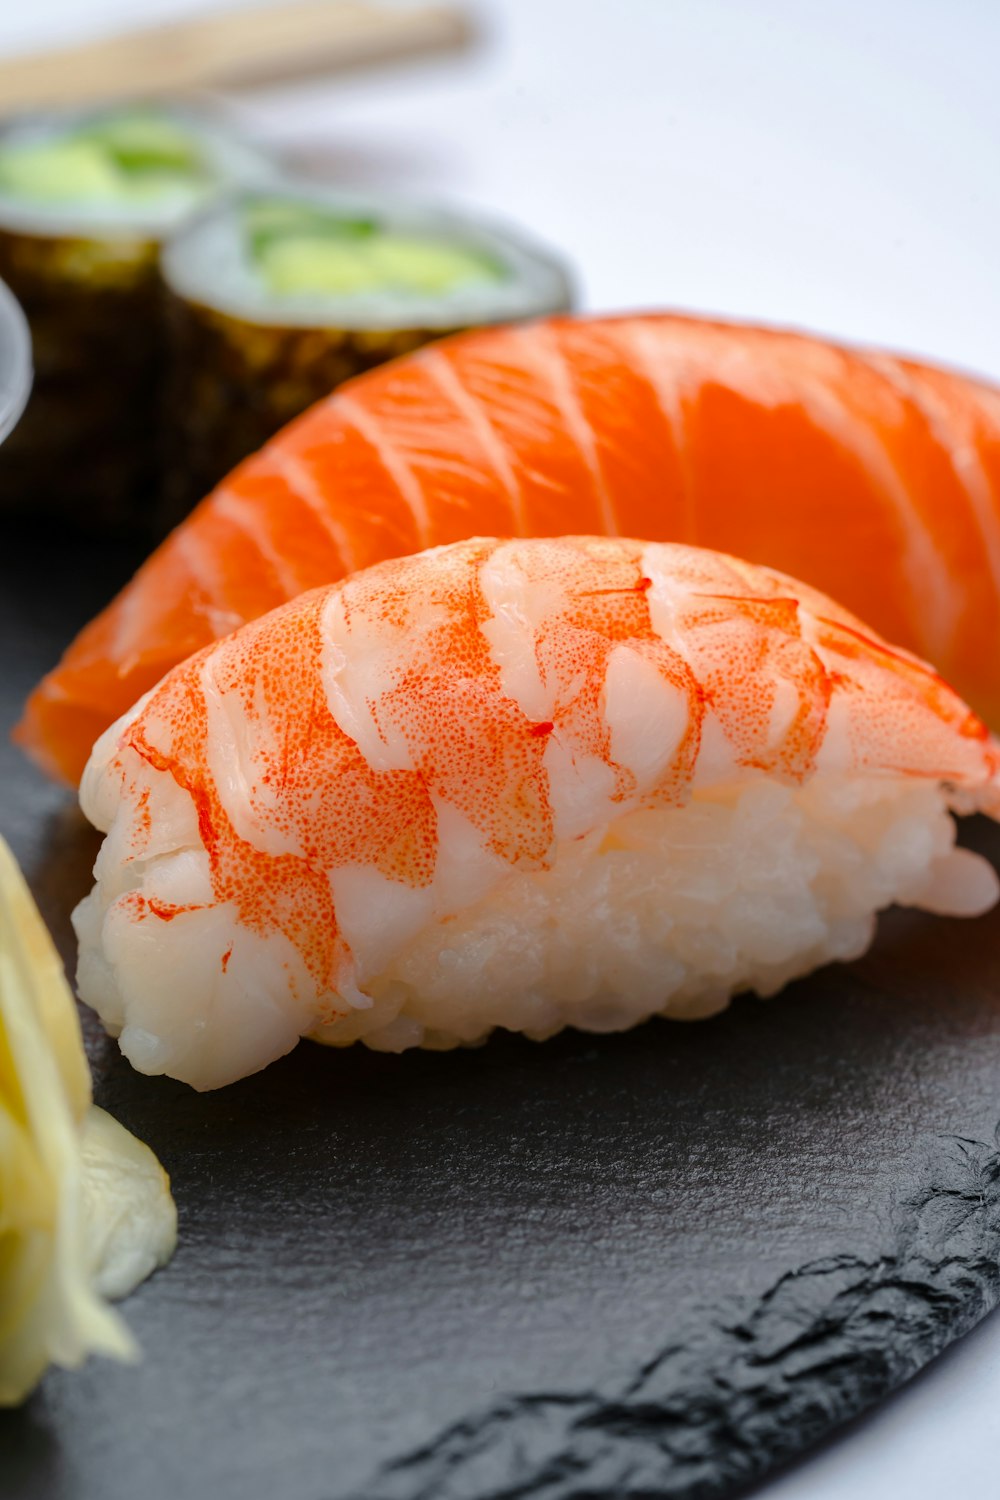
85, 1208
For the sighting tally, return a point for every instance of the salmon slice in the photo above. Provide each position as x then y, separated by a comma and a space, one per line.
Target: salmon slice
874, 478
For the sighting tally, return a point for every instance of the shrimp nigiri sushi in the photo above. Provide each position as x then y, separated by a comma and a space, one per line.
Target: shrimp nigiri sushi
872, 477
525, 784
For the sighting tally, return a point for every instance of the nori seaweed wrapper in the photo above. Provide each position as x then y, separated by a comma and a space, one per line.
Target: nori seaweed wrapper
84, 451
233, 384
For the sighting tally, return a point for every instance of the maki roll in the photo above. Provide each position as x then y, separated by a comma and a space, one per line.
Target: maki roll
15, 362
85, 201
276, 299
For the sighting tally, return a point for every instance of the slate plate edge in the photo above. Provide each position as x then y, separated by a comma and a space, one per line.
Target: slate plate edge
751, 1384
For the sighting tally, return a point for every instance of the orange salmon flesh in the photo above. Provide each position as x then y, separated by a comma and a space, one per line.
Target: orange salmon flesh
873, 478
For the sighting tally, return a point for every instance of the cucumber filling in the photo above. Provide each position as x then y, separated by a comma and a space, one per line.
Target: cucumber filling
117, 158
299, 249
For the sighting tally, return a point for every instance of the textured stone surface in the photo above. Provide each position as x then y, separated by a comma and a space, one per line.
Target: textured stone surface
743, 1387
650, 1264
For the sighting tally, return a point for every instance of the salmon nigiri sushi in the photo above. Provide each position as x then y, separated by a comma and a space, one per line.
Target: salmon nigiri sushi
525, 784
874, 478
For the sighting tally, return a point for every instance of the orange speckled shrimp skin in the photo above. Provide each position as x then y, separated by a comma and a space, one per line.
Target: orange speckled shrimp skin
339, 731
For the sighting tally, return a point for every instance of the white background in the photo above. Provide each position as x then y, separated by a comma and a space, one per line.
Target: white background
830, 166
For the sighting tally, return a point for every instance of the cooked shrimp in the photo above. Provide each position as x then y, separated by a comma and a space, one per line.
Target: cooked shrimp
523, 784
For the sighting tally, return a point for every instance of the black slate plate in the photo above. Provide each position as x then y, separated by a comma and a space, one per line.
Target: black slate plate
653, 1264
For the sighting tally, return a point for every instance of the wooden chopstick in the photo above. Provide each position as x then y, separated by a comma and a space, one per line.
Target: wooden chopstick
234, 48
